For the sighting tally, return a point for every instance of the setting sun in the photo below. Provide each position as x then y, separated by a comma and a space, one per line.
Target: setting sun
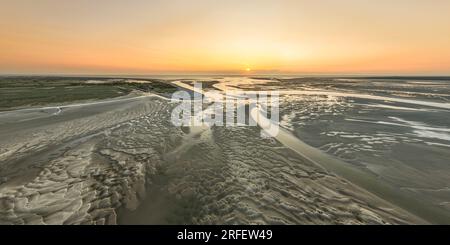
199, 36
203, 112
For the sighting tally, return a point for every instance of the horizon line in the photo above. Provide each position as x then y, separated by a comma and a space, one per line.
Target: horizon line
229, 74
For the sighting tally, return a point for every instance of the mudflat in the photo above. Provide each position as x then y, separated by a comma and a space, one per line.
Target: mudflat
343, 156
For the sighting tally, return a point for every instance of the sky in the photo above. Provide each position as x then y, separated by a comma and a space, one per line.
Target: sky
401, 37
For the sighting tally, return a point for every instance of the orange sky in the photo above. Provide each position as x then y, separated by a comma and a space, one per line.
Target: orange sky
207, 36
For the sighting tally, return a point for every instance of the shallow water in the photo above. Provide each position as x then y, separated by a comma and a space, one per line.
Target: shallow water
366, 151
403, 142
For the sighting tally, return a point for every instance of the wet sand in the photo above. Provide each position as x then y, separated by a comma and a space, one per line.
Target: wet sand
124, 162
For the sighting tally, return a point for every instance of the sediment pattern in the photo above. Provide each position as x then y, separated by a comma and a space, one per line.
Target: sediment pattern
95, 171
250, 180
115, 162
